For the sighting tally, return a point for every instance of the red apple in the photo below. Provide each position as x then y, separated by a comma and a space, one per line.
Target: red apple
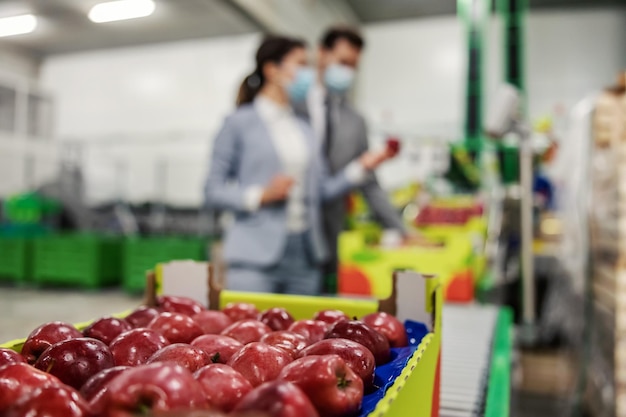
277, 399
240, 311
357, 357
106, 329
97, 382
141, 317
247, 331
276, 318
388, 326
212, 322
176, 327
290, 342
223, 386
259, 362
190, 357
74, 361
360, 332
8, 356
312, 330
219, 348
135, 347
150, 389
333, 388
51, 401
330, 316
45, 336
19, 379
182, 305
393, 146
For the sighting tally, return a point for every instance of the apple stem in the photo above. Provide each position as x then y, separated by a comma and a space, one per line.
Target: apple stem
50, 366
215, 358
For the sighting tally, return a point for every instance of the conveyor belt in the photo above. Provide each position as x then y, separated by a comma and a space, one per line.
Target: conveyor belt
472, 335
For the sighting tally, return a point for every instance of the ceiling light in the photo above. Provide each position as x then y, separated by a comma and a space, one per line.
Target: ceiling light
121, 10
17, 25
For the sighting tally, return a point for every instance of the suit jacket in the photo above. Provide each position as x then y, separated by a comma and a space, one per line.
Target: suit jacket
243, 156
348, 142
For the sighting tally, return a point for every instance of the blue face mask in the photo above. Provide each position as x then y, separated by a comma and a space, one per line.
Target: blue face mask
338, 78
298, 88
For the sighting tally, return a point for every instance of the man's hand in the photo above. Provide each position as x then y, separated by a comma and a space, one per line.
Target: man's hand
277, 190
371, 160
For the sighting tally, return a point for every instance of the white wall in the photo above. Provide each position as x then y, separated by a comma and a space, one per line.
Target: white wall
16, 66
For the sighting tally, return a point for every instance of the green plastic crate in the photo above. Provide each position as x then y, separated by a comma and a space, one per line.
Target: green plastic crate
142, 254
80, 260
15, 258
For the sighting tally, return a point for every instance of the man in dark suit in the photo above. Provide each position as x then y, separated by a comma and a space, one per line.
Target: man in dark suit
342, 133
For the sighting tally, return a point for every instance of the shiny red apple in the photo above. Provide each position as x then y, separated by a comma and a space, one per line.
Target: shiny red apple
357, 357
330, 316
312, 330
97, 382
51, 401
212, 322
19, 379
182, 305
388, 326
8, 356
290, 342
219, 348
106, 329
74, 361
259, 362
276, 399
135, 347
45, 336
247, 331
187, 356
333, 388
240, 311
176, 327
393, 146
276, 318
142, 316
223, 386
361, 333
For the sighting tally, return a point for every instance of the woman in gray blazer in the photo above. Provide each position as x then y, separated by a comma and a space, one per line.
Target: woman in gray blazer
267, 169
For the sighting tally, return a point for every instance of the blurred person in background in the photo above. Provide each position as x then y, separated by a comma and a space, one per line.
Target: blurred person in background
266, 168
341, 133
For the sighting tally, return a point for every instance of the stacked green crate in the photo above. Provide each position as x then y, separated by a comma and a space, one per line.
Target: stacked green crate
142, 254
77, 260
16, 242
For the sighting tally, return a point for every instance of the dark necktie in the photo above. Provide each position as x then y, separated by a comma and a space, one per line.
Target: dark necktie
328, 128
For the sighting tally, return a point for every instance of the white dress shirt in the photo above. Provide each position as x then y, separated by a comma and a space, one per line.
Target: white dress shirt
315, 101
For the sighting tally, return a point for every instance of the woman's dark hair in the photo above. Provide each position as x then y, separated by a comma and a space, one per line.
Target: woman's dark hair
333, 35
272, 49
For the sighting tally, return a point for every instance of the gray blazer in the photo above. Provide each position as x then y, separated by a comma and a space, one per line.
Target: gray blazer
244, 155
349, 141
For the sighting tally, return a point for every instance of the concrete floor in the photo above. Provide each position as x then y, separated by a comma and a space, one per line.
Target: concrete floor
23, 309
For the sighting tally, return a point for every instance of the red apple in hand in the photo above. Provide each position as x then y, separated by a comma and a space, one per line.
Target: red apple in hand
74, 361
247, 331
357, 357
393, 146
182, 354
8, 356
212, 322
276, 318
360, 332
330, 316
19, 379
259, 362
240, 311
51, 401
142, 316
45, 336
106, 329
135, 347
97, 382
290, 342
333, 388
219, 348
176, 327
223, 386
388, 326
150, 389
182, 305
312, 330
276, 399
